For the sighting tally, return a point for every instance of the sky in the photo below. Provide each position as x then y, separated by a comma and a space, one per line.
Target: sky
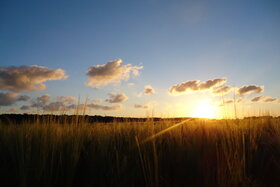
140, 58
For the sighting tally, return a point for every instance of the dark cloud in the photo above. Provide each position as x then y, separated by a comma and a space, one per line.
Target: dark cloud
112, 72
264, 99
28, 78
195, 85
223, 90
148, 90
26, 107
55, 106
41, 101
117, 98
9, 98
249, 89
23, 98
62, 103
141, 106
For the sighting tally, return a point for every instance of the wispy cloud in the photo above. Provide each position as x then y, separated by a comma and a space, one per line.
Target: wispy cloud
139, 106
28, 78
112, 72
104, 107
196, 85
249, 89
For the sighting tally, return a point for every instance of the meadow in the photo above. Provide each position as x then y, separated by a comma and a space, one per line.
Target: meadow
192, 152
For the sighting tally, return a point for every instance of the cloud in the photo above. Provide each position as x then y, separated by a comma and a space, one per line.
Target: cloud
223, 90
10, 98
28, 78
66, 99
148, 90
55, 106
195, 85
249, 89
112, 72
141, 106
117, 98
62, 103
26, 107
41, 101
264, 99
104, 107
23, 98
239, 100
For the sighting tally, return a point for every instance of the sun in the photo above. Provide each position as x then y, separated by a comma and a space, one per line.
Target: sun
204, 109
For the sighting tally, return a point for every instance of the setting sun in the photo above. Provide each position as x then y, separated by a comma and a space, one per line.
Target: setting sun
204, 109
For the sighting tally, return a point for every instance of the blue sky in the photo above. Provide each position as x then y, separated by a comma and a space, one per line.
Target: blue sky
174, 41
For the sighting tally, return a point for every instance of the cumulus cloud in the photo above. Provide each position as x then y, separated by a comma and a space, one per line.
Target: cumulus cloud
249, 89
264, 99
117, 98
28, 78
141, 106
148, 90
196, 85
9, 98
222, 90
112, 72
104, 107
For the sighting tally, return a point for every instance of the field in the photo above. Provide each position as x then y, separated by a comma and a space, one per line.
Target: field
188, 152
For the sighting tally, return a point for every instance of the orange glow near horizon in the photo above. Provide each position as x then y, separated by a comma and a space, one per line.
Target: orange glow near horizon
205, 109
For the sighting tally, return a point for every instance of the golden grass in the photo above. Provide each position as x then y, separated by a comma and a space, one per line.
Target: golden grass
197, 152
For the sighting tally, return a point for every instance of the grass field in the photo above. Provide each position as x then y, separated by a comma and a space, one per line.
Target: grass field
195, 152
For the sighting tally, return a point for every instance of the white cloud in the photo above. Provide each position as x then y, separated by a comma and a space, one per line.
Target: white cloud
28, 78
249, 89
117, 98
112, 72
195, 85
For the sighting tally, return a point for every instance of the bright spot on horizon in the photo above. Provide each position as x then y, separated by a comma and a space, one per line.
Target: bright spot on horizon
204, 109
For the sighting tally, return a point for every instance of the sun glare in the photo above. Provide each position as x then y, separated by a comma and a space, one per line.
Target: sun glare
204, 109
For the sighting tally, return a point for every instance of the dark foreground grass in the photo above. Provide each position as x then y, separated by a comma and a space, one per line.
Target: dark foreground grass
195, 153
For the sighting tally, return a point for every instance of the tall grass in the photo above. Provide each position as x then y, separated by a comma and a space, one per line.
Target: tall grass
194, 153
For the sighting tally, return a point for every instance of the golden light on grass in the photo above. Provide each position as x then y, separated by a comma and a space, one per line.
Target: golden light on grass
205, 109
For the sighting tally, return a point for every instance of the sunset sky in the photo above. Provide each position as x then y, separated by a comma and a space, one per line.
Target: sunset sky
141, 57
